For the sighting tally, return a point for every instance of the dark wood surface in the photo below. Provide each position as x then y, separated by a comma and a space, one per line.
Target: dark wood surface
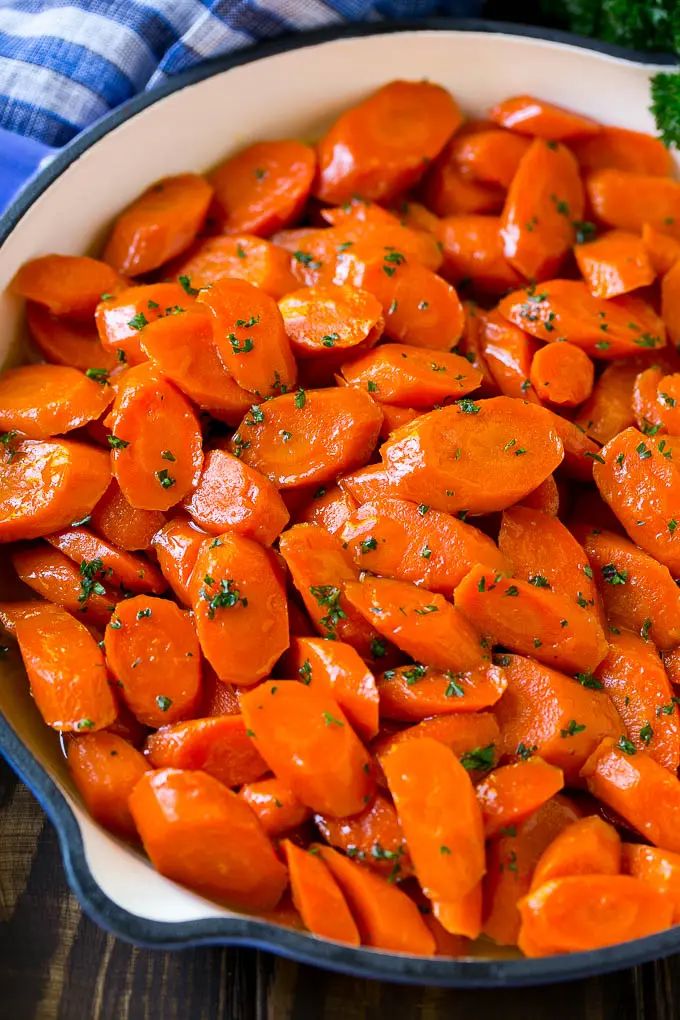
55, 963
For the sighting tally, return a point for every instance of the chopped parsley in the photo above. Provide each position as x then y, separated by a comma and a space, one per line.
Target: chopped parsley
163, 702
480, 759
165, 478
572, 728
612, 575
226, 597
117, 444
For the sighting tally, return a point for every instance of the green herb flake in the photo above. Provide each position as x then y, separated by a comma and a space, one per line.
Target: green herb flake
117, 444
163, 702
646, 734
525, 751
378, 648
368, 544
227, 595
468, 406
300, 399
612, 575
480, 759
539, 581
143, 614
168, 455
185, 284
572, 728
330, 720
138, 321
99, 375
165, 478
625, 745
426, 552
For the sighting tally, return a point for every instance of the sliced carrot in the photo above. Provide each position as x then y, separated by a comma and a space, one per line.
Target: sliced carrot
545, 497
239, 605
511, 793
608, 410
543, 202
306, 740
217, 745
648, 410
473, 250
65, 284
562, 374
105, 770
671, 661
668, 396
470, 346
629, 200
394, 417
199, 833
508, 352
309, 437
78, 589
63, 341
370, 224
415, 692
659, 868
263, 187
47, 485
663, 251
329, 507
369, 483
126, 526
589, 846
461, 915
580, 452
324, 319
242, 256
66, 671
488, 155
540, 119
46, 400
616, 148
670, 303
275, 804
374, 837
122, 316
317, 896
12, 612
417, 217
411, 376
123, 570
614, 264
465, 734
380, 147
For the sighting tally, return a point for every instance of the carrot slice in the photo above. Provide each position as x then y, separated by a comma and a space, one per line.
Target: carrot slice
616, 148
63, 341
309, 437
511, 793
217, 745
306, 740
329, 507
449, 192
472, 736
608, 410
410, 376
66, 671
381, 146
242, 256
386, 917
668, 396
121, 569
324, 319
263, 187
105, 770
275, 805
317, 896
562, 374
670, 303
543, 202
44, 486
415, 692
508, 353
370, 224
614, 264
662, 250
157, 443
374, 837
530, 116
589, 846
659, 868
647, 409
199, 833
12, 612
46, 400
545, 497
470, 346
370, 483
629, 200
488, 154
79, 590
65, 284
121, 317
473, 250
122, 524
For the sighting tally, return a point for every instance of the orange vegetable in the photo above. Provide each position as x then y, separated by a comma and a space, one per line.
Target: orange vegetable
449, 192
671, 661
663, 251
580, 452
78, 589
616, 148
121, 569
488, 154
614, 264
608, 410
45, 400
324, 319
531, 116
411, 376
12, 612
373, 226
105, 770
545, 497
508, 353
65, 284
217, 745
473, 250
242, 256
374, 837
126, 526
199, 833
63, 341
121, 317
177, 545
511, 793
659, 868
629, 200
588, 846
275, 804
461, 915
470, 346
318, 897
562, 374
330, 508
670, 303
415, 692
462, 733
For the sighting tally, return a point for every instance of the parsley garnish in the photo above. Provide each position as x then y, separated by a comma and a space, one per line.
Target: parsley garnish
185, 283
100, 375
612, 575
138, 321
572, 728
166, 480
163, 702
226, 597
625, 745
328, 596
480, 759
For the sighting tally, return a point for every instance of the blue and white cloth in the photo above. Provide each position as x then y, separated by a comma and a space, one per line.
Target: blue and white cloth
66, 63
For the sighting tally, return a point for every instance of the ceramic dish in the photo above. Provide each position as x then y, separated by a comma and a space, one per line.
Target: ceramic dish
291, 88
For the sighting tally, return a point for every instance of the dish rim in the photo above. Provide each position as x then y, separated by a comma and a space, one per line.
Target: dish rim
241, 930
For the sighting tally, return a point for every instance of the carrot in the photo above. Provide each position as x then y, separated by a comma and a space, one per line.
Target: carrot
373, 226
659, 868
416, 692
547, 713
671, 661
562, 374
508, 352
242, 256
545, 497
465, 734
369, 483
580, 452
614, 264
640, 483
121, 317
488, 155
646, 407
78, 589
530, 620
306, 740
616, 148
335, 667
511, 793
394, 417
318, 897
374, 837
329, 507
589, 846
540, 119
199, 833
218, 698
448, 192
63, 341
417, 217
506, 438
473, 251
668, 396
309, 437
217, 745
182, 349
263, 187
231, 496
411, 376
381, 147
638, 788
12, 612
608, 410
65, 284
663, 251
420, 623
121, 569
240, 608
461, 915
605, 329
66, 671
629, 200
394, 538
670, 303
105, 770
470, 346
122, 524
275, 805
324, 319
156, 442
543, 202
46, 400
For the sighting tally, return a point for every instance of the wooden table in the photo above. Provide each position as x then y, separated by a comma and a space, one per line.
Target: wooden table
55, 963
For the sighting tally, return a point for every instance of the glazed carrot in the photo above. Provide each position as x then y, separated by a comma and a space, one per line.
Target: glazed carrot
616, 148
239, 605
182, 348
121, 317
218, 698
12, 612
394, 417
66, 671
566, 309
275, 805
545, 497
449, 192
470, 346
416, 692
380, 147
125, 725
306, 740
560, 718
46, 400
540, 119
543, 202
370, 483
105, 770
374, 837
329, 507
508, 352
199, 833
670, 303
156, 440
659, 868
637, 591
530, 620
580, 452
465, 734
639, 481
44, 486
318, 897
324, 319
217, 745
629, 200
640, 790
506, 438
309, 437
589, 846
511, 793
78, 589
614, 264
373, 226
488, 155
122, 524
336, 667
663, 251
411, 376
122, 570
314, 253
608, 410
417, 217
242, 256
231, 496
386, 917
461, 915
65, 284
562, 374
671, 661
645, 404
63, 341
151, 649
263, 187
420, 623
473, 251
668, 396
